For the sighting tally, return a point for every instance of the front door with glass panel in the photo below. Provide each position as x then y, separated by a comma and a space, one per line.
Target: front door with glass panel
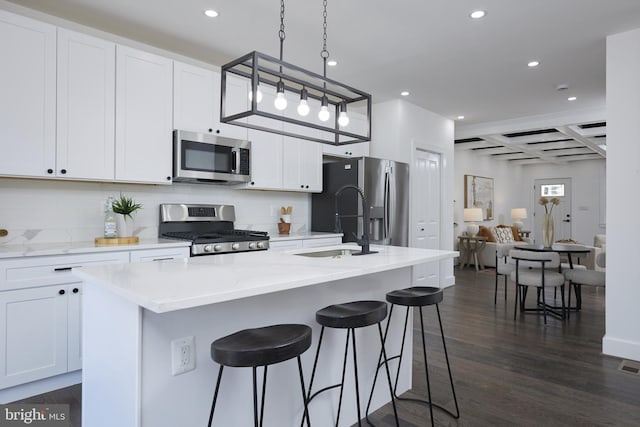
551, 188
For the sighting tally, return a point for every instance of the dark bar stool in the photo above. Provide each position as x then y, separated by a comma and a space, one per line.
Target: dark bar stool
261, 347
418, 296
350, 316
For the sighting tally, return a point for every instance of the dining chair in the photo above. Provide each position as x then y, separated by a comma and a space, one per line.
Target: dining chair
503, 268
540, 270
577, 278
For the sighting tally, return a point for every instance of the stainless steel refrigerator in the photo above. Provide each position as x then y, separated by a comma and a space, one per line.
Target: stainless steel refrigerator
385, 184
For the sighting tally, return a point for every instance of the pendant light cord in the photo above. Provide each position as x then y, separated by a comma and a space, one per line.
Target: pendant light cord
281, 34
324, 53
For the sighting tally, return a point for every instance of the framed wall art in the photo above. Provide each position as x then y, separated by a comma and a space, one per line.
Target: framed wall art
478, 193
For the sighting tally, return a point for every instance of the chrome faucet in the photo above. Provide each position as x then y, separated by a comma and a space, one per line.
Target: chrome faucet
364, 241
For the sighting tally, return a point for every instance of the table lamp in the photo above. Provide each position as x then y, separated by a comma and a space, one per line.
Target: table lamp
518, 214
471, 216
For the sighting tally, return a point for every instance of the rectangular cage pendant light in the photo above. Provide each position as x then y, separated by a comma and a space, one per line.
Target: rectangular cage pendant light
265, 76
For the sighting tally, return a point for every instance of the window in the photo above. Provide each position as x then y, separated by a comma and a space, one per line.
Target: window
552, 190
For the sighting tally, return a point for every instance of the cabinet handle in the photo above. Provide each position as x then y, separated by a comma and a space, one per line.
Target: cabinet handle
302, 186
59, 269
253, 183
49, 170
63, 171
76, 290
168, 178
210, 130
307, 186
61, 291
161, 259
217, 130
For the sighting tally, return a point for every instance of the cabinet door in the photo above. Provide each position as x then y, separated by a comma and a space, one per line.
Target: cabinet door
283, 245
266, 147
302, 165
28, 96
74, 326
324, 241
346, 151
86, 107
194, 100
33, 333
237, 100
143, 117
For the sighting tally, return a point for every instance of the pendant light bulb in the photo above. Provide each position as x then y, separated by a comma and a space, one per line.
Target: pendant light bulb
303, 107
280, 102
343, 119
258, 95
324, 114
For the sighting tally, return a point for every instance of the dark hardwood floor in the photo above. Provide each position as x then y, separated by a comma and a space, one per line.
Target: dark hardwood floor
518, 373
506, 372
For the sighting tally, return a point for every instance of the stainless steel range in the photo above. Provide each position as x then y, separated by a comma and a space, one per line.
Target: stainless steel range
209, 228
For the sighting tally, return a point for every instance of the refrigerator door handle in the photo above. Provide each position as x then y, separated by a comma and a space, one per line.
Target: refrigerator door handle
386, 220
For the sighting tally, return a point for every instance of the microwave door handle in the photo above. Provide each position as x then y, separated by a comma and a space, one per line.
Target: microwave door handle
235, 160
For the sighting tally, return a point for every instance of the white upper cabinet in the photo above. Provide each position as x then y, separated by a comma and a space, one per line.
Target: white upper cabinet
194, 98
28, 96
237, 100
302, 165
144, 103
86, 107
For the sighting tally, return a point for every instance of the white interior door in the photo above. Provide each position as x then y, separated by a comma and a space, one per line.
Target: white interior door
425, 177
549, 188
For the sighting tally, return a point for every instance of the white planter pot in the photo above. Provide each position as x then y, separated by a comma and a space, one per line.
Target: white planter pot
125, 226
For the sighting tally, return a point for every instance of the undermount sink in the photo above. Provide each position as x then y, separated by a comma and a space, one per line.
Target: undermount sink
337, 253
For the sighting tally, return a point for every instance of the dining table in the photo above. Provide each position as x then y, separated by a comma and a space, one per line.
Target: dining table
568, 250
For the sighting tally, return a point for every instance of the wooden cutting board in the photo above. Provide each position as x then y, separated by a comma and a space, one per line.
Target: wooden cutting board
117, 240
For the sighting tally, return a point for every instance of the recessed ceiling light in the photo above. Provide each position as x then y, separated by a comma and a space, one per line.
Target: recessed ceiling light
332, 62
477, 14
460, 117
404, 93
571, 98
211, 13
533, 64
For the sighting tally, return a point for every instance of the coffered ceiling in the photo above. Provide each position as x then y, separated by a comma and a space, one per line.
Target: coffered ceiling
559, 145
451, 65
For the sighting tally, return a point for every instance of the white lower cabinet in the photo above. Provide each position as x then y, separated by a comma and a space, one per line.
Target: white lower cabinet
158, 254
41, 311
282, 245
34, 334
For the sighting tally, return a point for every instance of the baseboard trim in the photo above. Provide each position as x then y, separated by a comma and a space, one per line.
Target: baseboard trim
34, 388
623, 349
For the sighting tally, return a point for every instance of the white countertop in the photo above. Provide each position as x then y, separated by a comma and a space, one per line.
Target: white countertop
43, 249
164, 286
302, 236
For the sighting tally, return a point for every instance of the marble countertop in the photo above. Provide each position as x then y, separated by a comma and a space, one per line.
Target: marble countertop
299, 236
170, 285
43, 249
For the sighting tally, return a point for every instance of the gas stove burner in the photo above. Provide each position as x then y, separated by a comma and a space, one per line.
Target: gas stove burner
209, 228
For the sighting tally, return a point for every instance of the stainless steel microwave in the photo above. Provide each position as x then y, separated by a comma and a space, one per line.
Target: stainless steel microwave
204, 158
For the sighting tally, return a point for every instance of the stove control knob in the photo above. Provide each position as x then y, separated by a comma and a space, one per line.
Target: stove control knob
260, 245
208, 248
252, 245
217, 248
235, 246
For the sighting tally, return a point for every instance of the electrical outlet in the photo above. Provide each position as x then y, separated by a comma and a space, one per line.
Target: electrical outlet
183, 356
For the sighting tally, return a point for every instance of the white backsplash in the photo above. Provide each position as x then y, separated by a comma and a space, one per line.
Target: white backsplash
41, 211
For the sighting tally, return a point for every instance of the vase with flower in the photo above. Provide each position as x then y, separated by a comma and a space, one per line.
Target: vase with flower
547, 225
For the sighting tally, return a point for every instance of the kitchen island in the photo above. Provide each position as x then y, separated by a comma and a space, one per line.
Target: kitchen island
131, 313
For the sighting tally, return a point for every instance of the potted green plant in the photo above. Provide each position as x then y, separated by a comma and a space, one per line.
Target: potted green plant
125, 207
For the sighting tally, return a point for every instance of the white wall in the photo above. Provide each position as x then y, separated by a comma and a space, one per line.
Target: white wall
622, 336
513, 188
398, 129
41, 211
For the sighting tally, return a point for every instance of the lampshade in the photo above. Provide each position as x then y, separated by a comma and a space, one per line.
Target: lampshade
472, 214
518, 213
